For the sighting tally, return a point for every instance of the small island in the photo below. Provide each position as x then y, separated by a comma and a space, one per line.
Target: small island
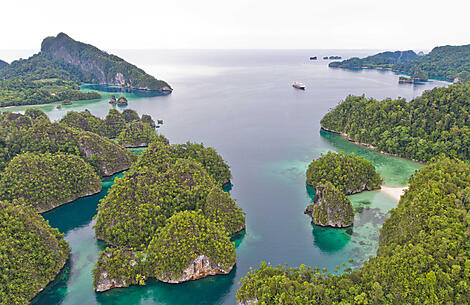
331, 208
349, 173
334, 176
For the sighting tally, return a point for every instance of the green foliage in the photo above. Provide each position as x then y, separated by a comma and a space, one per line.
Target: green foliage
114, 123
124, 266
186, 236
37, 115
208, 157
103, 68
31, 253
130, 130
54, 74
445, 62
137, 134
130, 115
140, 202
160, 154
332, 207
430, 125
347, 172
14, 92
220, 208
20, 133
46, 181
423, 255
146, 119
382, 60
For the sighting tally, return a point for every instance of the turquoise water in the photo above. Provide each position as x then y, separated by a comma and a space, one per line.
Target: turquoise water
242, 103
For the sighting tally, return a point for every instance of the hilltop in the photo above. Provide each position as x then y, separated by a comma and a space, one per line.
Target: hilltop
63, 64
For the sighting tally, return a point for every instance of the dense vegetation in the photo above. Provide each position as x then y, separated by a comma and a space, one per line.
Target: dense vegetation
380, 60
160, 155
127, 127
139, 203
137, 134
34, 132
102, 68
446, 62
331, 207
44, 91
31, 253
423, 255
349, 173
40, 80
122, 266
430, 125
220, 208
186, 236
54, 74
46, 181
169, 190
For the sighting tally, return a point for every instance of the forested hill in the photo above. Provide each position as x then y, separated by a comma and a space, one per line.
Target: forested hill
380, 60
438, 122
54, 74
3, 64
445, 62
96, 66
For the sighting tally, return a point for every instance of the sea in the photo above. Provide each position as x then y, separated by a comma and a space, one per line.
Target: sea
242, 103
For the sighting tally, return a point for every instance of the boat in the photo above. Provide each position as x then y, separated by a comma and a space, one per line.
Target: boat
313, 58
298, 85
325, 57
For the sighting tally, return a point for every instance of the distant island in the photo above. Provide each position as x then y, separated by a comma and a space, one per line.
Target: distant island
451, 63
56, 73
384, 60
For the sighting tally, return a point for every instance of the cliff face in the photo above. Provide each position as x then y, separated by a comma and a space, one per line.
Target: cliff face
99, 67
331, 207
107, 277
201, 267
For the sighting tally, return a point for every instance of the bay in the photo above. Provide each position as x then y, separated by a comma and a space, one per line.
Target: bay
242, 103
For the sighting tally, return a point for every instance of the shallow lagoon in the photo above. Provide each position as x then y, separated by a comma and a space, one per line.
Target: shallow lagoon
242, 103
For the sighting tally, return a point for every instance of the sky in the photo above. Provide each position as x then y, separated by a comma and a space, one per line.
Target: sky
238, 24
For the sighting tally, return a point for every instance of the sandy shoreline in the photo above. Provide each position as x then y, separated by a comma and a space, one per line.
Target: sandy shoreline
394, 192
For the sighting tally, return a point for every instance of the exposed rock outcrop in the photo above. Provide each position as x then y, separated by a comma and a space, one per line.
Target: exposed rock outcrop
99, 67
201, 267
331, 208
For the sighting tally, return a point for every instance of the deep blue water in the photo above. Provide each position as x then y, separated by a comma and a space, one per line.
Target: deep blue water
242, 103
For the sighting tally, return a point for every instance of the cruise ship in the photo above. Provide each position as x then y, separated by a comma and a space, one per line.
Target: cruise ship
298, 85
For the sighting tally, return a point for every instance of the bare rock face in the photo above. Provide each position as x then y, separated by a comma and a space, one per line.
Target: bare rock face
248, 302
106, 282
201, 267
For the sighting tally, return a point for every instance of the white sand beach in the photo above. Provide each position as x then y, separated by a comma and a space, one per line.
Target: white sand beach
394, 192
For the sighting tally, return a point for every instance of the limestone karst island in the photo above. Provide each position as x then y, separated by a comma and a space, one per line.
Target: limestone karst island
163, 154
